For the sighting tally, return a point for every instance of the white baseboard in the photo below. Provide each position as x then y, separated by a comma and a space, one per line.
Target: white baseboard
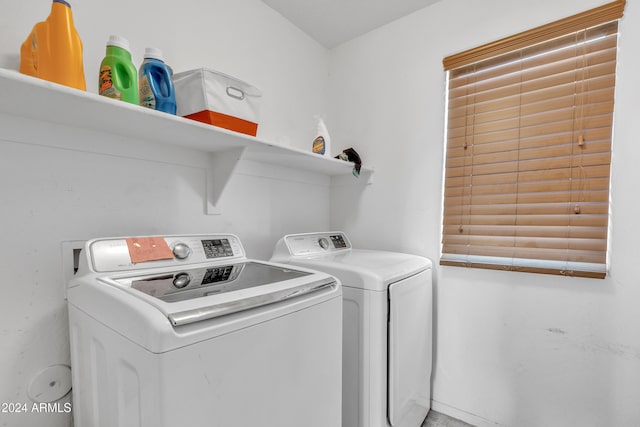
461, 415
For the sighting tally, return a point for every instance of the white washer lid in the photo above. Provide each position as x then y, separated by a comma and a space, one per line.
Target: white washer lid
160, 326
364, 269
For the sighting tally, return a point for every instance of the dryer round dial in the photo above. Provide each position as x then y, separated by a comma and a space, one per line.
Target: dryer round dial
181, 250
324, 243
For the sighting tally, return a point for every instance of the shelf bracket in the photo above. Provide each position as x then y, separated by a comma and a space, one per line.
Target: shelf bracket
221, 166
367, 176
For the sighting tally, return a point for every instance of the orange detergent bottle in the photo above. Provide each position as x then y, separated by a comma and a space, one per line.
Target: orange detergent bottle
53, 50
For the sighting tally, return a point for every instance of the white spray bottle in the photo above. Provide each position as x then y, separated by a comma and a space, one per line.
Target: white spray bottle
322, 143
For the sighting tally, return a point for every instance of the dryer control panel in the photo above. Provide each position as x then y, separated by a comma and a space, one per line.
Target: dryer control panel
137, 253
316, 243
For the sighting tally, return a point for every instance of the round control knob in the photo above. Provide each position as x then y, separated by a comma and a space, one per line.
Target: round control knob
324, 243
181, 280
181, 251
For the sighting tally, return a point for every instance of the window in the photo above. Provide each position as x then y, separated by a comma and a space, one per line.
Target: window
530, 121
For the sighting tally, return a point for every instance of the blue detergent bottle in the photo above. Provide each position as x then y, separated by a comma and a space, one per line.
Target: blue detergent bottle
155, 83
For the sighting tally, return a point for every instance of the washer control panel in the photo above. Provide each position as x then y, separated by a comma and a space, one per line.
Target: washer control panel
216, 248
316, 243
136, 253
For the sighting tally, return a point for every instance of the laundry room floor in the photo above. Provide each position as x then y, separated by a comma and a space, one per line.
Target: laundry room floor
436, 419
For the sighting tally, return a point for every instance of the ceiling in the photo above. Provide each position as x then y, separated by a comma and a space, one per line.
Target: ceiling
332, 22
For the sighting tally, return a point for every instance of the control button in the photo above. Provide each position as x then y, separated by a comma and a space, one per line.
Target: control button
324, 243
181, 280
181, 251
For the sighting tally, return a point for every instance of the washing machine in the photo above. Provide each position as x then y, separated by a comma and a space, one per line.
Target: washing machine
387, 326
186, 331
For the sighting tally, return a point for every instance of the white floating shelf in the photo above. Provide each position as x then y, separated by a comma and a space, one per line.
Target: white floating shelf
41, 100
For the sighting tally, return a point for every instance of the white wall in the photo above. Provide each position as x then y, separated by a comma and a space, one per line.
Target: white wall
511, 349
243, 38
51, 195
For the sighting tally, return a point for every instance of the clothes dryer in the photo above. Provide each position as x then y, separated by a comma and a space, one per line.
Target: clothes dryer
387, 326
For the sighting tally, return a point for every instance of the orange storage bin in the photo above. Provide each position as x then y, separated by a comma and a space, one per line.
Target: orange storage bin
217, 99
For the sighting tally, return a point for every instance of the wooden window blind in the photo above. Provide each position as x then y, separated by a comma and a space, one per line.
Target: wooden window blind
528, 154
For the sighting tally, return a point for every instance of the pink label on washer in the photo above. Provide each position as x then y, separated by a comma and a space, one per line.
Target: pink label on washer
143, 249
